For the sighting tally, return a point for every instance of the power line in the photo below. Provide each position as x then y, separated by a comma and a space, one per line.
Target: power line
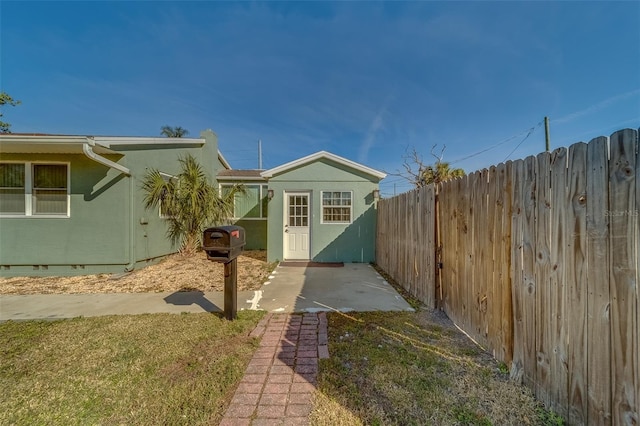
528, 131
522, 141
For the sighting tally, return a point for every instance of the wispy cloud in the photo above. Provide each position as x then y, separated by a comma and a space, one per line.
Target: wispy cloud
376, 125
597, 107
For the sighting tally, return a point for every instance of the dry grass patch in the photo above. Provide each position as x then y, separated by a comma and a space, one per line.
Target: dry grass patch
401, 368
145, 369
175, 273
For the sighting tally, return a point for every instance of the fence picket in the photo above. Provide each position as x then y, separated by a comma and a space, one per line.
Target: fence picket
540, 266
623, 145
575, 331
557, 282
491, 327
505, 283
518, 288
598, 318
542, 277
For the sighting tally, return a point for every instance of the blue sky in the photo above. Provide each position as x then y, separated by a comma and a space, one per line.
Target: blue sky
363, 80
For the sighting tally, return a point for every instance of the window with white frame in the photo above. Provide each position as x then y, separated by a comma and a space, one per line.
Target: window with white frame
34, 189
336, 206
162, 210
250, 205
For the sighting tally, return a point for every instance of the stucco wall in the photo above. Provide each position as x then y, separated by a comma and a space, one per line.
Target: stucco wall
354, 242
255, 233
108, 229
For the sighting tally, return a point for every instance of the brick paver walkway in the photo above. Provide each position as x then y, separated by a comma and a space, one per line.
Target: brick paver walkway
278, 384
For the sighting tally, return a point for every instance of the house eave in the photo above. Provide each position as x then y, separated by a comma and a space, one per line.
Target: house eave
25, 144
319, 156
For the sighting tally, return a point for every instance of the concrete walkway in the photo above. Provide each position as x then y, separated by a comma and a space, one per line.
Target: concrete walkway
354, 287
278, 384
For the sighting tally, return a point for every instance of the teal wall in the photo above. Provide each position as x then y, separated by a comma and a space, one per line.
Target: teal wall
353, 242
255, 233
108, 230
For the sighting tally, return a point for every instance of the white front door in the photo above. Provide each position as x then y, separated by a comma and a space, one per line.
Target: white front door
296, 226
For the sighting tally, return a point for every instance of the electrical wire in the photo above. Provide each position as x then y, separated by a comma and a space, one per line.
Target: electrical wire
475, 154
531, 130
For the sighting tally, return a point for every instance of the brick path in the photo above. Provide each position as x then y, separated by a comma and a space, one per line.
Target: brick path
278, 384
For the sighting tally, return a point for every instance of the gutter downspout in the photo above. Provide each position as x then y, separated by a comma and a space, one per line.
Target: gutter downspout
132, 245
87, 148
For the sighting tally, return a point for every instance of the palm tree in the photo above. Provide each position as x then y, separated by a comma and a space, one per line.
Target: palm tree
437, 173
174, 132
420, 175
188, 201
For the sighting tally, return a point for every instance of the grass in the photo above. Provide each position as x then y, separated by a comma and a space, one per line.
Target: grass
415, 368
144, 369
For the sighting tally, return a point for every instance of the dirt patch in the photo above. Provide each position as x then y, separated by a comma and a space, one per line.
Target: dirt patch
175, 273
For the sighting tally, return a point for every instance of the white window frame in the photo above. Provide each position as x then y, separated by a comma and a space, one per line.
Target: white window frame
167, 177
322, 207
263, 188
28, 191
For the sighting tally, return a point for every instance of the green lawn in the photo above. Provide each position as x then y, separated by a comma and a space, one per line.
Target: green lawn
385, 369
401, 368
143, 369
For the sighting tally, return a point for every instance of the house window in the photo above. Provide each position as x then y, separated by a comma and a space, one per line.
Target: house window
50, 189
34, 189
336, 206
250, 205
162, 209
12, 188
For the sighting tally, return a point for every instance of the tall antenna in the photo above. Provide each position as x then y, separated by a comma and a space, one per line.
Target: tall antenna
260, 154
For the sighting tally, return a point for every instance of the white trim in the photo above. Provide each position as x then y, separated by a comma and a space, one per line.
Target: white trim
109, 141
262, 193
322, 206
224, 161
323, 155
285, 221
28, 191
20, 143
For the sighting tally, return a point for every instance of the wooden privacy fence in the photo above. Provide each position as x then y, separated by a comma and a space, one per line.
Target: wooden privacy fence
539, 264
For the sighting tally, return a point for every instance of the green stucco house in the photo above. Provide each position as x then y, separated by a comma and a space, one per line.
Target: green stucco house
322, 208
72, 205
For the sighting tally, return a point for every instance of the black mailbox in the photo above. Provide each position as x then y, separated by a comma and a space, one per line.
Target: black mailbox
223, 243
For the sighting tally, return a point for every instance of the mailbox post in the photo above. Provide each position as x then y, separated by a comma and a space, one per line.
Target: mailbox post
224, 244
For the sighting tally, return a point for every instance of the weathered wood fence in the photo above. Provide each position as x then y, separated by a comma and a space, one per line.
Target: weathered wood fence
538, 261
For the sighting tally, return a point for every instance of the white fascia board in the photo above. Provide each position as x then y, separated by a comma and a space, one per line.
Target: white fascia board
109, 141
46, 139
224, 161
323, 155
42, 144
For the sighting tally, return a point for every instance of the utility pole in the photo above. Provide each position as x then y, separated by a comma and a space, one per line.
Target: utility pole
259, 154
546, 134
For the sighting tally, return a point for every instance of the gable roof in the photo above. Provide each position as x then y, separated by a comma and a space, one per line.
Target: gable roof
239, 174
320, 156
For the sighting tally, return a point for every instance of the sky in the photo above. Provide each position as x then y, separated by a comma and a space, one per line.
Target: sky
368, 81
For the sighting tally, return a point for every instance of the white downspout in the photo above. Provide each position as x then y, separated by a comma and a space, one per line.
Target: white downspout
132, 228
87, 148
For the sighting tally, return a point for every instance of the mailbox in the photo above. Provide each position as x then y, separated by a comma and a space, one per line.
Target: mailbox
223, 243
